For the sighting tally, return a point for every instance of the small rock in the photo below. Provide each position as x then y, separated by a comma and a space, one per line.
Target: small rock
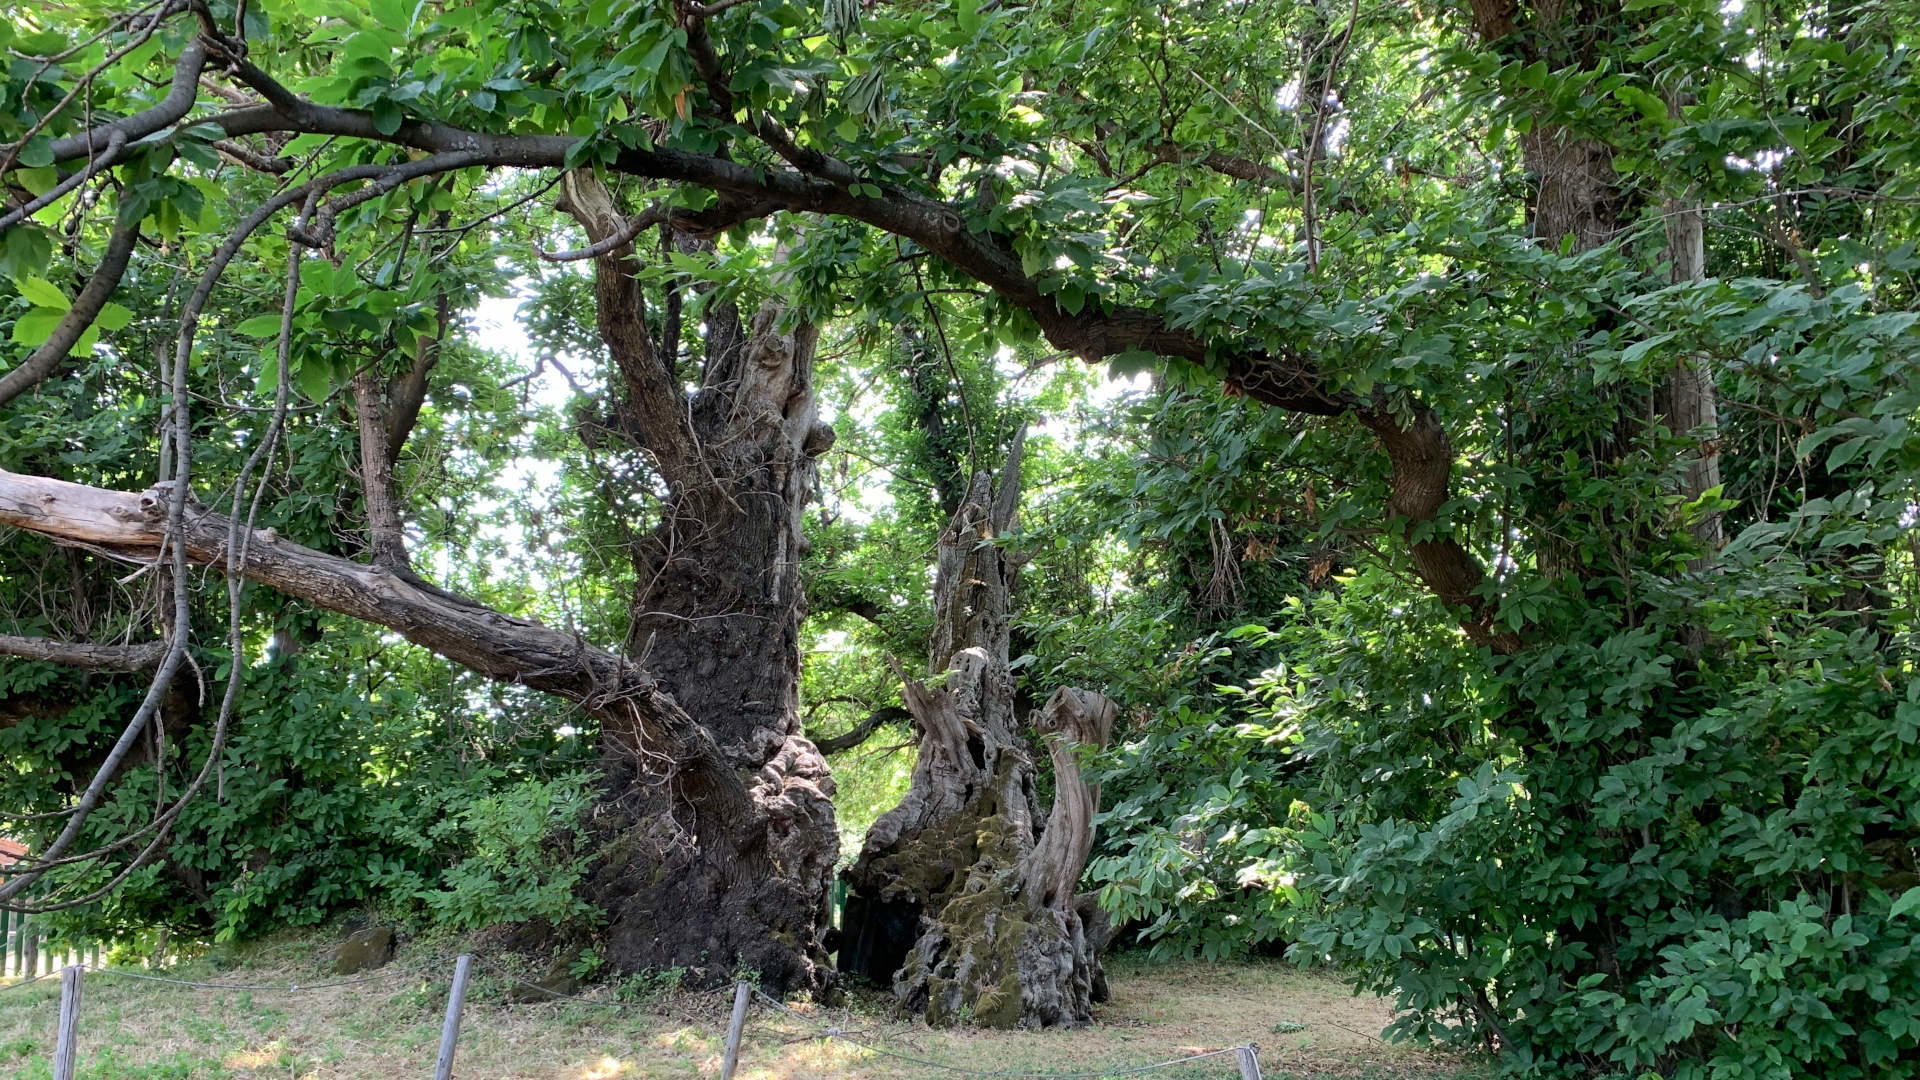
558, 982
364, 950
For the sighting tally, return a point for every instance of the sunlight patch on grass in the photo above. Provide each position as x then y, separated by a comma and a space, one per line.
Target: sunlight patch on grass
255, 1058
607, 1068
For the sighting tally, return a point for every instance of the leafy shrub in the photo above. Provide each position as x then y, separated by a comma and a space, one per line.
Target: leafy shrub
525, 856
1614, 857
330, 796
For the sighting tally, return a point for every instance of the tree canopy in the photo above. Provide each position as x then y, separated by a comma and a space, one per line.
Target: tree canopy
1504, 566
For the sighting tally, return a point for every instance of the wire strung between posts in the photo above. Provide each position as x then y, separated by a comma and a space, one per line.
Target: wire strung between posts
244, 986
602, 1002
289, 987
24, 982
831, 1032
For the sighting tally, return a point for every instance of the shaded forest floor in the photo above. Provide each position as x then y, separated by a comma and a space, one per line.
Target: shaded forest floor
1306, 1025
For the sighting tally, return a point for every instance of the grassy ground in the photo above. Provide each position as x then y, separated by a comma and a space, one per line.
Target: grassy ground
1306, 1026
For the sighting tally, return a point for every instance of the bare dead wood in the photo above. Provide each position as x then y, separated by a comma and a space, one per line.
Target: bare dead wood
953, 900
1072, 719
143, 656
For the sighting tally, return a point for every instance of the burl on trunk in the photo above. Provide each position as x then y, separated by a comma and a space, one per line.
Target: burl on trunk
963, 898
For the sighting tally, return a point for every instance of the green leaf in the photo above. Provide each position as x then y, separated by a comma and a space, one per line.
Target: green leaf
28, 247
392, 14
269, 380
1642, 102
38, 153
1845, 453
387, 117
112, 317
39, 181
36, 326
1632, 353
260, 326
43, 293
315, 378
1907, 902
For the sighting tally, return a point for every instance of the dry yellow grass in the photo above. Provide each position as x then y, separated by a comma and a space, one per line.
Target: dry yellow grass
1305, 1024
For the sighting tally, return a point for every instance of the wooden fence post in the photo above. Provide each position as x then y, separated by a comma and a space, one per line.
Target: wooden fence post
734, 1029
63, 1051
450, 1031
1249, 1061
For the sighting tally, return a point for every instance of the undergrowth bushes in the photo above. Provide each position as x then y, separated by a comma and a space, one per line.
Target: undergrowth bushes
350, 780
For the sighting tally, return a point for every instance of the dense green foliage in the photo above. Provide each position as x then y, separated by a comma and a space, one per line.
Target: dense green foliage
1636, 793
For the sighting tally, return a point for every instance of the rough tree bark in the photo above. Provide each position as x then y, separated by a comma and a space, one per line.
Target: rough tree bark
716, 619
1686, 400
962, 897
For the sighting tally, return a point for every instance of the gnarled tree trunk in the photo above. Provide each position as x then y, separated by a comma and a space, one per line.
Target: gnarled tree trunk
962, 897
716, 619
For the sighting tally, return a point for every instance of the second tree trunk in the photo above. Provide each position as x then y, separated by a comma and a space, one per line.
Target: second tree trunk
963, 896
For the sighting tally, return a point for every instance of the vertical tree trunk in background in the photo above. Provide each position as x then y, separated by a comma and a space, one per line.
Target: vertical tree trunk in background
716, 619
1686, 400
386, 531
962, 897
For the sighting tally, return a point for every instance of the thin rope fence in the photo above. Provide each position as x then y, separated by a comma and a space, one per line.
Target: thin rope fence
383, 976
122, 973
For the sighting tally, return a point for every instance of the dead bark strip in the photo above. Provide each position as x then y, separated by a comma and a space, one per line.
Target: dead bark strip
962, 898
144, 656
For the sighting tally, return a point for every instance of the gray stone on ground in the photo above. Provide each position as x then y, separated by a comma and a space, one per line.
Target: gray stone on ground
364, 950
558, 982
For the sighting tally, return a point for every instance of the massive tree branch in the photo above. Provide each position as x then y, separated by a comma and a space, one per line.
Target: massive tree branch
85, 654
857, 734
487, 642
655, 398
407, 392
386, 532
181, 95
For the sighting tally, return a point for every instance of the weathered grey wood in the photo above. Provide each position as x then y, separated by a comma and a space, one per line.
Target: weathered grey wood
735, 1028
64, 1048
450, 1030
963, 897
85, 654
1249, 1062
